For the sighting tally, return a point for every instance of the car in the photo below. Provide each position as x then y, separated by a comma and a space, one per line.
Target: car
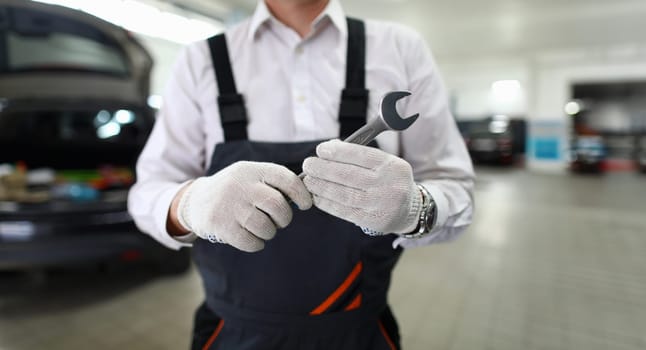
73, 119
588, 154
485, 147
490, 141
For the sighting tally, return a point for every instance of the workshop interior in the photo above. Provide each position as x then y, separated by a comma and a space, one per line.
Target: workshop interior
549, 99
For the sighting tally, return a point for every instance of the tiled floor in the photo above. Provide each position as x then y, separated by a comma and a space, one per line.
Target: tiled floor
551, 262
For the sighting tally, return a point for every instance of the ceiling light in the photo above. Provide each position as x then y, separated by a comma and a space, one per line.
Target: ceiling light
572, 108
506, 97
506, 88
145, 19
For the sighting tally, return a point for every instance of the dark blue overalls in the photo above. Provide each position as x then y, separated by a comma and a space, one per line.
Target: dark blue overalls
321, 283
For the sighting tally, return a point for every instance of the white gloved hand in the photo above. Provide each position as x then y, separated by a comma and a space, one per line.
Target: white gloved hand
243, 204
364, 185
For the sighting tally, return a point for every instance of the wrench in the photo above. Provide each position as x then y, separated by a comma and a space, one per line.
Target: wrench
389, 119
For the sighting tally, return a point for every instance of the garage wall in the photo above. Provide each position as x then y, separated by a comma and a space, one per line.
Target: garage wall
470, 85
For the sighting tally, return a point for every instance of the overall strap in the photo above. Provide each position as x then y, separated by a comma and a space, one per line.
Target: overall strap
354, 98
233, 113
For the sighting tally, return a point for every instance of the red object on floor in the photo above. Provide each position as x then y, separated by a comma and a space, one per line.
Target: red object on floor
618, 165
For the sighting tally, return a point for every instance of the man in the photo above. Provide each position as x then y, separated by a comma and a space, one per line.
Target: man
243, 113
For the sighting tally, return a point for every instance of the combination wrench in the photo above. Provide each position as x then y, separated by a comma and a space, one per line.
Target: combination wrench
389, 119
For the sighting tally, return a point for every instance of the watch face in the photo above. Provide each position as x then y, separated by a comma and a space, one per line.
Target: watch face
431, 216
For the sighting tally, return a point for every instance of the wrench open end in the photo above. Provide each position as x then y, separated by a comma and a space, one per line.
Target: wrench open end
391, 117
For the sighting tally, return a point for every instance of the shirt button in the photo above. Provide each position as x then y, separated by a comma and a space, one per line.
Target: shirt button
299, 50
301, 98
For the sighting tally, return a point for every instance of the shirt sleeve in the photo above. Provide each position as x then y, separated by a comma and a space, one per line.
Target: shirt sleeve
173, 154
434, 147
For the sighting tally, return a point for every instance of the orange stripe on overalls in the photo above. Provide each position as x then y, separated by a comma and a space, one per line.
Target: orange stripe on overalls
354, 304
387, 337
339, 291
214, 335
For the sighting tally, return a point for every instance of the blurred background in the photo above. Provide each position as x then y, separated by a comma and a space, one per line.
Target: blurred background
550, 97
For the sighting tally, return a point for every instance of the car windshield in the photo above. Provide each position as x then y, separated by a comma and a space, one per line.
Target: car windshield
38, 41
72, 138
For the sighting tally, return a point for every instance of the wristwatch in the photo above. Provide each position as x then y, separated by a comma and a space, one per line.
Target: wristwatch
427, 217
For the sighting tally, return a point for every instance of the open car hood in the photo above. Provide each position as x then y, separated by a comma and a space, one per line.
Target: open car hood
28, 19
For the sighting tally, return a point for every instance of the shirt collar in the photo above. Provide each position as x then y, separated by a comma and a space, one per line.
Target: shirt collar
333, 11
260, 16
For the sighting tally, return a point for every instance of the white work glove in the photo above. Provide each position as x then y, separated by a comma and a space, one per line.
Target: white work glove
365, 186
243, 204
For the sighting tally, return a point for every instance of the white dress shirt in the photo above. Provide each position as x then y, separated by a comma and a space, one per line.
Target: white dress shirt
292, 87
